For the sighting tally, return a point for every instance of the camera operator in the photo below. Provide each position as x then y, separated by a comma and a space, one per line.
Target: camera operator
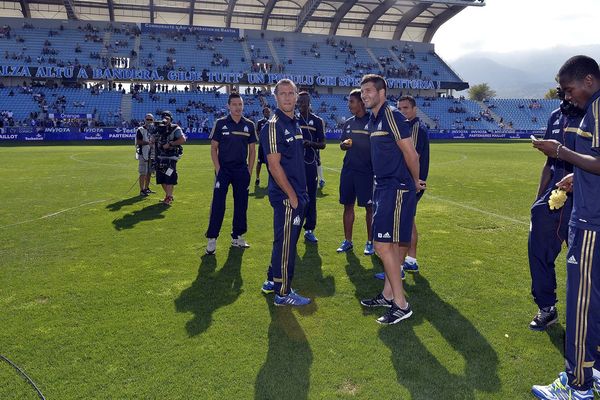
145, 153
169, 138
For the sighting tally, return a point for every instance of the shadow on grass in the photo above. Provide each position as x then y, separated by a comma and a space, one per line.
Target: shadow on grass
309, 274
320, 193
211, 289
286, 371
148, 213
259, 192
557, 336
420, 371
362, 278
125, 202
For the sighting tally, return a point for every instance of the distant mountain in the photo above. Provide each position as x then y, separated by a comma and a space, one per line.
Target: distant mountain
519, 74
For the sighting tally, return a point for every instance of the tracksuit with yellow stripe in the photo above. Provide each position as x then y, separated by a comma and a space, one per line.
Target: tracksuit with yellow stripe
582, 339
282, 135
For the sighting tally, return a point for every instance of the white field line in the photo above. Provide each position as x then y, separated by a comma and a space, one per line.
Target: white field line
53, 214
463, 206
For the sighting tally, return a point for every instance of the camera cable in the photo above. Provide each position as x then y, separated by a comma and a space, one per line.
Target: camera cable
27, 378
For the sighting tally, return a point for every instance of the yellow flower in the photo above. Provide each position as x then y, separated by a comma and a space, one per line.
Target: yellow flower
558, 197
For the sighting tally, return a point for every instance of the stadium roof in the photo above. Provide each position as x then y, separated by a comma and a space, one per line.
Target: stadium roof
413, 20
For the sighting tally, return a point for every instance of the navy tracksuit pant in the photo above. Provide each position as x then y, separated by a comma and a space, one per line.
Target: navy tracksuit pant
548, 231
312, 182
239, 179
582, 336
287, 224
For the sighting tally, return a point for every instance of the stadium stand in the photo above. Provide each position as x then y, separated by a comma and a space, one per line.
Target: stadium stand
124, 45
456, 113
25, 103
527, 114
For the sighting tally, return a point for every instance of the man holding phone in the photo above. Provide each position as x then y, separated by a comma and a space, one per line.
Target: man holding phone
549, 227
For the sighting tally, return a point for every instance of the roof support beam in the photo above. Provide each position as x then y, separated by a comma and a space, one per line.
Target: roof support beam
229, 15
70, 10
25, 8
307, 11
267, 14
381, 9
151, 11
340, 14
191, 14
439, 21
409, 17
111, 10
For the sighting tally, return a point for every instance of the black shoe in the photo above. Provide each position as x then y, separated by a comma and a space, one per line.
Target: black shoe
143, 193
377, 301
395, 314
149, 191
544, 318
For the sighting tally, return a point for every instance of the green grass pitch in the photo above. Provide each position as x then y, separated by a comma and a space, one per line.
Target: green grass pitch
105, 295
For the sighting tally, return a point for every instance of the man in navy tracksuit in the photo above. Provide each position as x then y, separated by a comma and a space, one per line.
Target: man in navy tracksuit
579, 78
396, 170
314, 139
356, 178
408, 107
549, 228
281, 140
233, 153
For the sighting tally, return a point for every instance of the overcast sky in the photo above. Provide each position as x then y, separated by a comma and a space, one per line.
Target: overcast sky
512, 25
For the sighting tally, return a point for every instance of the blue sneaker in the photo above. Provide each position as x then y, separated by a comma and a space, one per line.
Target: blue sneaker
381, 275
292, 299
345, 246
369, 249
410, 267
560, 389
268, 287
321, 184
310, 236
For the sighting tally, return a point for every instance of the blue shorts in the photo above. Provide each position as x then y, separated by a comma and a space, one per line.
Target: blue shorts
419, 195
261, 155
356, 186
393, 215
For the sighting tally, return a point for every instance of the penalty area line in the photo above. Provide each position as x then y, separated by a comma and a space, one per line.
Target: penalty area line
53, 214
461, 205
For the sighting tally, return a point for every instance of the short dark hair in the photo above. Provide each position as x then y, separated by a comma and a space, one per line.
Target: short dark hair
232, 96
577, 68
410, 99
356, 94
377, 80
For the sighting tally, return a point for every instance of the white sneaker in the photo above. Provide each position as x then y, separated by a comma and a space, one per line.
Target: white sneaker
240, 242
211, 246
